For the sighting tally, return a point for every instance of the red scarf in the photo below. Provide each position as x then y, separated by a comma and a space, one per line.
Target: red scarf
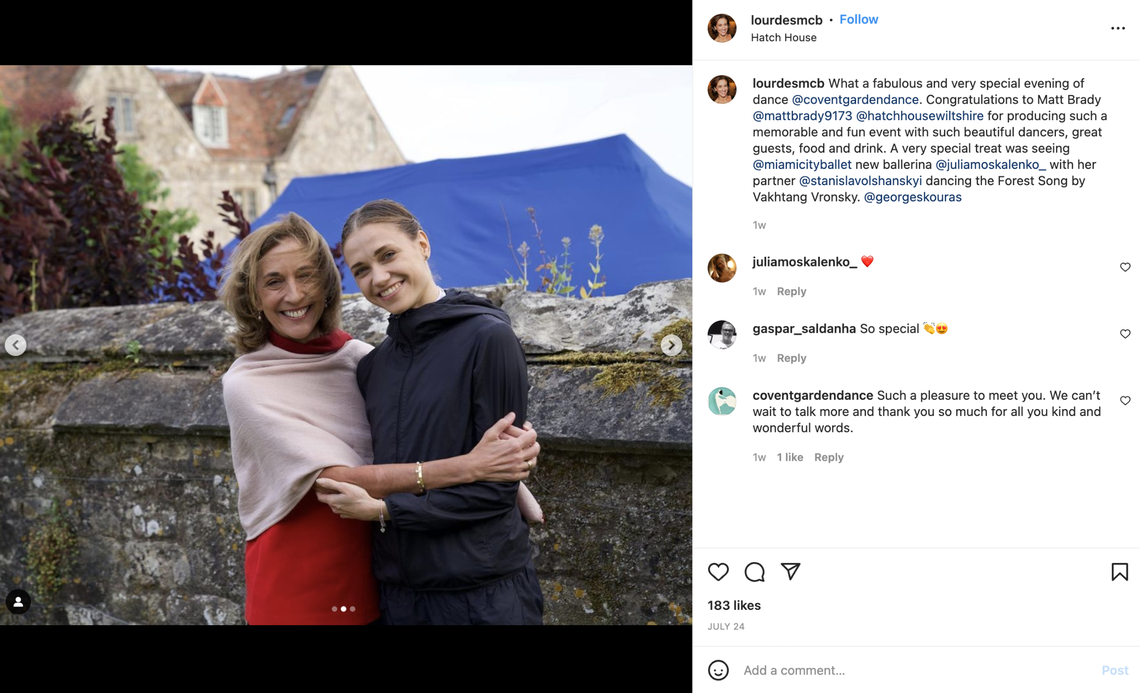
321, 345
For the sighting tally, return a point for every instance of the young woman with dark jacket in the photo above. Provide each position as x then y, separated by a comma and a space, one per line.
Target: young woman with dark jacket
450, 368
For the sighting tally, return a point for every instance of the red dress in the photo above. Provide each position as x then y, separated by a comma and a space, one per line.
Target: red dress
312, 563
303, 569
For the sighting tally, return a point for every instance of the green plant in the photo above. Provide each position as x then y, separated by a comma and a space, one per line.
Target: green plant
35, 283
19, 122
72, 217
74, 236
596, 237
559, 280
524, 251
51, 554
664, 388
133, 350
555, 279
146, 183
555, 271
12, 135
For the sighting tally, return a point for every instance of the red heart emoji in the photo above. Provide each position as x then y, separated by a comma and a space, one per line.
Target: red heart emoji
867, 260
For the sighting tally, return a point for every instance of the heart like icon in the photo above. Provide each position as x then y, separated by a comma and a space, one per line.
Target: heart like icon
718, 570
1125, 399
867, 260
1126, 266
1125, 333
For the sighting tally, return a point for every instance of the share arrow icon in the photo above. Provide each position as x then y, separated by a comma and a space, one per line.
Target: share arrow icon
791, 568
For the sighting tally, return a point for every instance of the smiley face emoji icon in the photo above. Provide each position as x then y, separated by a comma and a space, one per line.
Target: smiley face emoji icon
941, 327
718, 670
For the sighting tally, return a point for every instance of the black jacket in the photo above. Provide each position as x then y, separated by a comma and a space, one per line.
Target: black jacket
447, 372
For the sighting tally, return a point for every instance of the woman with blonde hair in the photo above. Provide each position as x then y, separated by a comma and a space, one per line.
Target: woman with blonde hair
296, 414
722, 268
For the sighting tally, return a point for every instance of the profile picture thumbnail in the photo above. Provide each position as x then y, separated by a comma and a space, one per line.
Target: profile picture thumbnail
722, 401
722, 89
722, 267
722, 28
722, 334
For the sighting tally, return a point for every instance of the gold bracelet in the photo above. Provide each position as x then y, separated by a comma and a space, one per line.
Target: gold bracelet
420, 478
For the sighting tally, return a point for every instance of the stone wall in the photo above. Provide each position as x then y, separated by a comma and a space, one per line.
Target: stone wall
127, 452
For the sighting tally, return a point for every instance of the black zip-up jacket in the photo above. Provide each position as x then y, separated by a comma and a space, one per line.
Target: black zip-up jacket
447, 372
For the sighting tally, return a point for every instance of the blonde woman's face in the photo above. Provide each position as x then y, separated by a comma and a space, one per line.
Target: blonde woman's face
289, 291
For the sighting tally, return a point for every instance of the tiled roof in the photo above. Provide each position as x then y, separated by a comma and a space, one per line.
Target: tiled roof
11, 83
169, 78
38, 89
276, 94
255, 107
182, 92
248, 124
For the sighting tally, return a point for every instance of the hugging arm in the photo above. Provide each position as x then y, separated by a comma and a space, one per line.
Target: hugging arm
503, 454
500, 386
500, 454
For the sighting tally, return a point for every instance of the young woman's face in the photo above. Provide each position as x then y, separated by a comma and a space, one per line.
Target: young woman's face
289, 291
391, 268
722, 26
722, 88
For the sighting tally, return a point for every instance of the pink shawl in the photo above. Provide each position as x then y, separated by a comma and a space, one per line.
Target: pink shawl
292, 415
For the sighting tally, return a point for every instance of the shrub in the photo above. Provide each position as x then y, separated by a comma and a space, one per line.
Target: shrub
73, 235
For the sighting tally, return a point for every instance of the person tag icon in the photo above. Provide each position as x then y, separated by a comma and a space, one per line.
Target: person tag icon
18, 601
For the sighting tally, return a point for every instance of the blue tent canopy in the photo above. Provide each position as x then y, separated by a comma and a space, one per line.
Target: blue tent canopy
646, 215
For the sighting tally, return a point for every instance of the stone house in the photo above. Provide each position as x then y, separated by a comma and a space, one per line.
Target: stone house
205, 133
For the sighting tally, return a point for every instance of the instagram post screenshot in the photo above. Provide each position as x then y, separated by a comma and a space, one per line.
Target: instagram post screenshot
347, 344
915, 352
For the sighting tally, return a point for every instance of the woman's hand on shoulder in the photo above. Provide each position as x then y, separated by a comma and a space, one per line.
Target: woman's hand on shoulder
505, 453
